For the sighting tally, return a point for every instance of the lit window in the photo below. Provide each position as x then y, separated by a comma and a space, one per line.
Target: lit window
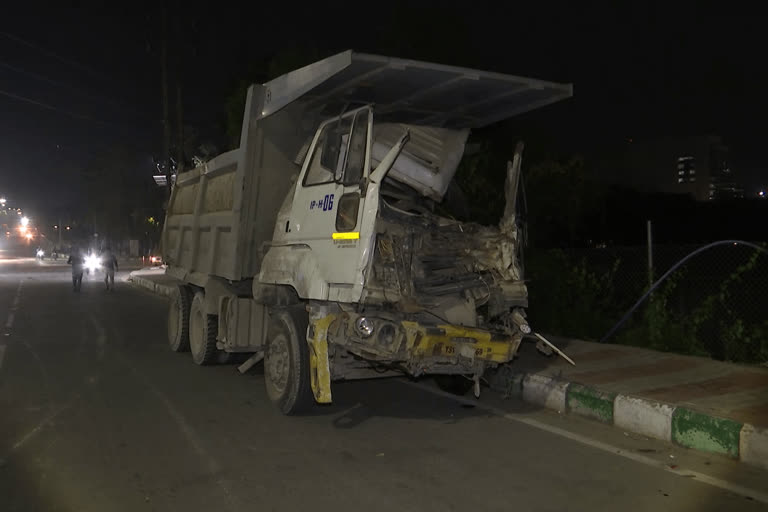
693, 171
692, 179
680, 172
679, 180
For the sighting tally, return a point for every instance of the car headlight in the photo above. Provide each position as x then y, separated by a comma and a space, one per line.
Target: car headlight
92, 262
364, 326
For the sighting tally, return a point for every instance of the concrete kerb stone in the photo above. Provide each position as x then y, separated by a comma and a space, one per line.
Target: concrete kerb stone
545, 391
591, 403
753, 445
158, 288
706, 433
646, 417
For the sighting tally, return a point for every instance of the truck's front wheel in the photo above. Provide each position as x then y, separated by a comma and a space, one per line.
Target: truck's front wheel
286, 361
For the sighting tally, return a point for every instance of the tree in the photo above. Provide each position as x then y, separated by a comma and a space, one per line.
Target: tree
115, 188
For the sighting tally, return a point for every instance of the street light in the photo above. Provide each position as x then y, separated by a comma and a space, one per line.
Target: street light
2, 201
24, 221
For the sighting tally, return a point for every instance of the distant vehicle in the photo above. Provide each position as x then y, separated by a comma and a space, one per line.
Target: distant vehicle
92, 263
316, 245
156, 260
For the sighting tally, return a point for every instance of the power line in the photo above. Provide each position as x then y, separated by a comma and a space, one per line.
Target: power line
66, 86
54, 108
55, 55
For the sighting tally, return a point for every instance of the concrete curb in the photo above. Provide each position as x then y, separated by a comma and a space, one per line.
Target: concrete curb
691, 429
158, 288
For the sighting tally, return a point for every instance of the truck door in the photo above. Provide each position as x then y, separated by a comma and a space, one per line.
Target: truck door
327, 204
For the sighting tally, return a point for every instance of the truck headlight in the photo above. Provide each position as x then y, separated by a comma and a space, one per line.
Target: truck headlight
364, 326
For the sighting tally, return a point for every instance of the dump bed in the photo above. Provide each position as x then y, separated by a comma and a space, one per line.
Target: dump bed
223, 212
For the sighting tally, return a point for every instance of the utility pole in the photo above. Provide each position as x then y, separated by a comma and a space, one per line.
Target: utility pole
166, 121
61, 227
179, 130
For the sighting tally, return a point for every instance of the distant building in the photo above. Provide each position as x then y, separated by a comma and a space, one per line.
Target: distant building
696, 165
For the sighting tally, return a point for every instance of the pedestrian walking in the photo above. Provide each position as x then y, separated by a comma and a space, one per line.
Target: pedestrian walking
109, 262
77, 261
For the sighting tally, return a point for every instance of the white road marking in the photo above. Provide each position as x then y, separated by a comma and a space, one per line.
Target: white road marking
192, 438
29, 435
615, 450
9, 322
214, 468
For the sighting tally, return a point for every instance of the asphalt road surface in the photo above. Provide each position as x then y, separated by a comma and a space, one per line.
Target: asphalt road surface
97, 414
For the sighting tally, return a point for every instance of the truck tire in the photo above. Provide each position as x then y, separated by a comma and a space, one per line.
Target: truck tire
178, 319
202, 332
286, 361
454, 384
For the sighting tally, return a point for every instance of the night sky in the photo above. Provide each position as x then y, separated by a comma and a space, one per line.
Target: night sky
74, 82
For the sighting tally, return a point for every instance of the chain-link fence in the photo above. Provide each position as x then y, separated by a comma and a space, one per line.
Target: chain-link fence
715, 304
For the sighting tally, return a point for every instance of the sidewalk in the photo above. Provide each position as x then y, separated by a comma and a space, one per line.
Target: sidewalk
154, 280
692, 401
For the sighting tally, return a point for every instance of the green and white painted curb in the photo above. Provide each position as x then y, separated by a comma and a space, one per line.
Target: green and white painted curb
682, 426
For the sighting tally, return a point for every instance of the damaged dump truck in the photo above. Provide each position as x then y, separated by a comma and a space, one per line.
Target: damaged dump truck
316, 245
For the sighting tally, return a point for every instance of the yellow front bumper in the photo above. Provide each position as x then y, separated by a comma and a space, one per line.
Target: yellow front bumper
452, 343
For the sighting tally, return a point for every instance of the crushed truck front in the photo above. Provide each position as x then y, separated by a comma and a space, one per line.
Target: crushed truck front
390, 284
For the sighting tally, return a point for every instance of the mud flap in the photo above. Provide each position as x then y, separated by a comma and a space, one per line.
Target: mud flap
319, 366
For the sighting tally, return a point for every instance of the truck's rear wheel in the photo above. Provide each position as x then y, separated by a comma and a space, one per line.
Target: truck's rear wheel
286, 361
454, 384
202, 332
178, 319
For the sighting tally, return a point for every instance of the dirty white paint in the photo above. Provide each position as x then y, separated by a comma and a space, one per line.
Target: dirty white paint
753, 445
2, 355
545, 391
644, 417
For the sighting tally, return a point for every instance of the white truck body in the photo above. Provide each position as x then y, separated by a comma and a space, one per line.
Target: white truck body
327, 204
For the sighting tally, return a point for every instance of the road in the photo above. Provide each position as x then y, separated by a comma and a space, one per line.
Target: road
96, 414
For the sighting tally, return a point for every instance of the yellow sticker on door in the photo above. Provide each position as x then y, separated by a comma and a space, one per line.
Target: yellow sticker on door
346, 236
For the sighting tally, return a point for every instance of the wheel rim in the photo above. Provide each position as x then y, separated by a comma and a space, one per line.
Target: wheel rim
278, 362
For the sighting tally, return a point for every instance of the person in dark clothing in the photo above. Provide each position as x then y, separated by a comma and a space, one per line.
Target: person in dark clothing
77, 261
109, 262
